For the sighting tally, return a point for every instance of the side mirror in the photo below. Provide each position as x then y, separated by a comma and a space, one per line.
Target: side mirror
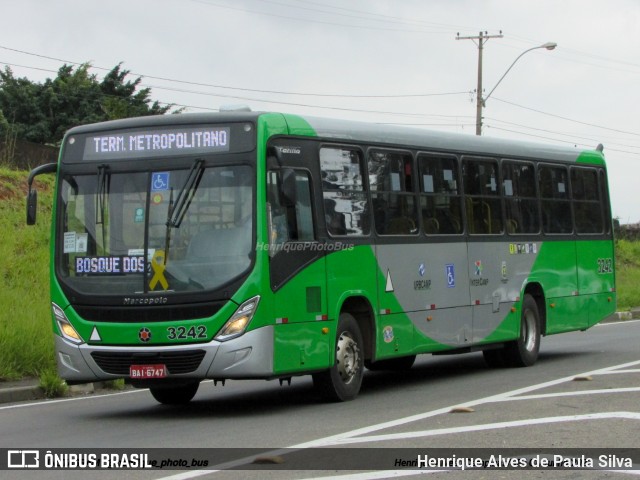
288, 186
32, 196
32, 206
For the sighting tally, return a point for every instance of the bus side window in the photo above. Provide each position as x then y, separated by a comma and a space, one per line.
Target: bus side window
586, 200
278, 229
554, 199
482, 196
293, 223
346, 208
604, 198
440, 201
394, 201
520, 197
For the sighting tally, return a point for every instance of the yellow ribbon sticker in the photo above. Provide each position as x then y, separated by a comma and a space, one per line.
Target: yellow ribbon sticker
157, 264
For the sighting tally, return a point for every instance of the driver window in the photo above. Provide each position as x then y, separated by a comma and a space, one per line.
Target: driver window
289, 223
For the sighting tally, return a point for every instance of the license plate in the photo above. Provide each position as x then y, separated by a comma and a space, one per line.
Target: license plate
148, 371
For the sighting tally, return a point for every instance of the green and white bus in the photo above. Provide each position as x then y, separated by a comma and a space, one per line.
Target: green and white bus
246, 245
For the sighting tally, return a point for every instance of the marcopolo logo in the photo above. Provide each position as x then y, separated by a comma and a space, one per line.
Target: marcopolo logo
23, 459
144, 334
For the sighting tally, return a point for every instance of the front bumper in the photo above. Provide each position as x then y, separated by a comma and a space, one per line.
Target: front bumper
247, 356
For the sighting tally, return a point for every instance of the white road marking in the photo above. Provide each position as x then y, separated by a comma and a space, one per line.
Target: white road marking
64, 400
349, 437
489, 426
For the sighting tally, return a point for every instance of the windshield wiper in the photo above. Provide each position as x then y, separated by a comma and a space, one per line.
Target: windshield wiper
178, 210
188, 191
102, 195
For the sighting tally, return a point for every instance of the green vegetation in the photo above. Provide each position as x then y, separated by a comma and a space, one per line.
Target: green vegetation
25, 319
52, 384
42, 112
628, 273
117, 384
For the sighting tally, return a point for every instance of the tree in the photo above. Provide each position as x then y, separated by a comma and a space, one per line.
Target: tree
42, 113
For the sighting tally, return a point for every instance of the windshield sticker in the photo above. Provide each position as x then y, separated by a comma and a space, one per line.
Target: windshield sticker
117, 265
75, 242
69, 242
159, 181
158, 266
82, 240
157, 198
138, 216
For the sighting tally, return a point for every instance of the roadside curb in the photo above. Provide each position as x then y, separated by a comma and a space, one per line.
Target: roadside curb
29, 389
18, 393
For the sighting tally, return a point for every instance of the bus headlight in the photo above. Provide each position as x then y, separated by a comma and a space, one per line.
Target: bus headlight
64, 325
239, 321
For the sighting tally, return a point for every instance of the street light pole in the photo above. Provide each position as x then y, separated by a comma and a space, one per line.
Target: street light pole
548, 46
482, 38
480, 101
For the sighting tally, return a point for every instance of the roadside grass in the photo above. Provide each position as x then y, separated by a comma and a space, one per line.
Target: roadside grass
25, 319
628, 274
52, 385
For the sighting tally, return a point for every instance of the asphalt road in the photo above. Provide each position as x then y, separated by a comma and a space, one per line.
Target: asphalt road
582, 393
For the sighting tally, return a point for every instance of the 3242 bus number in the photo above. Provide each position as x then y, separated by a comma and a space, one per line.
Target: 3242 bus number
605, 265
182, 333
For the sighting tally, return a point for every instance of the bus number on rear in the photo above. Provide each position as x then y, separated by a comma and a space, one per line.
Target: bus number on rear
605, 265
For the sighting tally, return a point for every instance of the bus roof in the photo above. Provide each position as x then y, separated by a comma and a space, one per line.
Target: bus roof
356, 131
430, 140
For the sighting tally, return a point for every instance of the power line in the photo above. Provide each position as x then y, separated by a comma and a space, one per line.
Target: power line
566, 118
226, 87
279, 102
286, 17
563, 141
573, 135
380, 17
592, 55
307, 94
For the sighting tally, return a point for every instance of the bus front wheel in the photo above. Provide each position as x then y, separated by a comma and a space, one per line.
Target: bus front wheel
175, 395
523, 352
343, 380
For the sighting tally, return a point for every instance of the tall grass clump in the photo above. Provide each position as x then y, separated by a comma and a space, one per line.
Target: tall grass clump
628, 274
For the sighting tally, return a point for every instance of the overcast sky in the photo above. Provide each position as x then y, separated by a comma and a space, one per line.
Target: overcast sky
383, 61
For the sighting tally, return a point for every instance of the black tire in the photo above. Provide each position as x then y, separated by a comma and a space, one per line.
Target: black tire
343, 380
175, 394
395, 364
523, 352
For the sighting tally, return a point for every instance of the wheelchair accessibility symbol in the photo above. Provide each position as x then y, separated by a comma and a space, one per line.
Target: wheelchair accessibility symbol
451, 275
159, 181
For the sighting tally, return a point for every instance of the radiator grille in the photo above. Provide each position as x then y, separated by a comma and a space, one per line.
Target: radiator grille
118, 363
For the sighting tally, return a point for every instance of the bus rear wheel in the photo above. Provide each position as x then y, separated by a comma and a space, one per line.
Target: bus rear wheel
175, 394
523, 352
343, 380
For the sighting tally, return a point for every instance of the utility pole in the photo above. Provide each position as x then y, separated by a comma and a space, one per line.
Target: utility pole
482, 38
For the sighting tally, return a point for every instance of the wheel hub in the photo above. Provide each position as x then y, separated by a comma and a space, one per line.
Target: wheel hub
347, 357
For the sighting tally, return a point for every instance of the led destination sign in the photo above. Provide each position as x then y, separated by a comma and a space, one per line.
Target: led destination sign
144, 144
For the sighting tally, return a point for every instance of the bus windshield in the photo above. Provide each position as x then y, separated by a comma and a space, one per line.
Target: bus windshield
155, 231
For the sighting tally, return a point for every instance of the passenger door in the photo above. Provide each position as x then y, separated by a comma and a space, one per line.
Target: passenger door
297, 270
